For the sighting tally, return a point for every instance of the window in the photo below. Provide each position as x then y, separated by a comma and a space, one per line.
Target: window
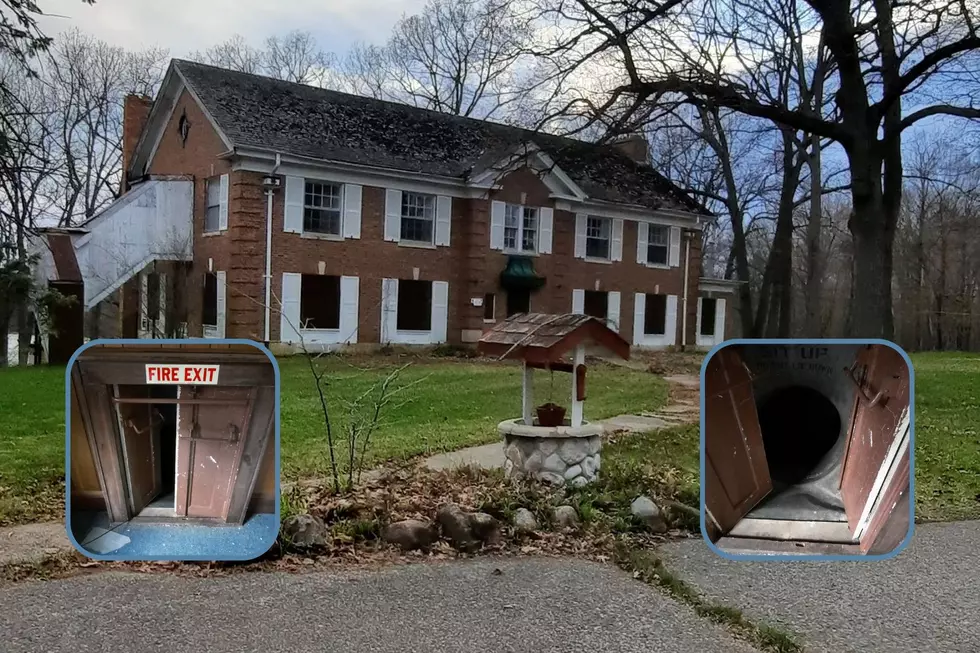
489, 307
597, 237
321, 208
520, 228
658, 244
518, 301
414, 306
319, 302
655, 318
209, 315
212, 214
418, 216
596, 304
708, 309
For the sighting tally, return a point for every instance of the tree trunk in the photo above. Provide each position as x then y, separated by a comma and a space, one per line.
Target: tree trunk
871, 284
814, 273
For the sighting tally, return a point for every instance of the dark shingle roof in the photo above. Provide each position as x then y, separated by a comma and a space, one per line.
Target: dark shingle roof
261, 112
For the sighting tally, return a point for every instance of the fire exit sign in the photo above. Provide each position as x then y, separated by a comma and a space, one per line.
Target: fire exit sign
158, 374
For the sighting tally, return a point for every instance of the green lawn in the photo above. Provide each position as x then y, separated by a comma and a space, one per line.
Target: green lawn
448, 404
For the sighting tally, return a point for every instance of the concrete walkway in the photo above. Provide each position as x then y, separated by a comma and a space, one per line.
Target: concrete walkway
523, 604
925, 599
31, 543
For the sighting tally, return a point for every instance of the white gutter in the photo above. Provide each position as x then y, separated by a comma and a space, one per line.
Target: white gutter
687, 268
269, 193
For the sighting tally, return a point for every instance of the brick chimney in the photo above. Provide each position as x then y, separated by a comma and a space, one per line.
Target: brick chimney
635, 146
136, 110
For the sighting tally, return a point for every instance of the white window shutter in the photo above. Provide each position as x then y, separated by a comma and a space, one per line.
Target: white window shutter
289, 310
639, 316
642, 239
295, 195
612, 310
440, 311
349, 290
393, 215
578, 301
675, 247
223, 187
222, 303
719, 320
581, 220
617, 240
352, 210
670, 327
444, 220
389, 309
546, 227
497, 210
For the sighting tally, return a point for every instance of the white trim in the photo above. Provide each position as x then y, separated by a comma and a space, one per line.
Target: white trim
715, 338
643, 340
889, 466
517, 251
554, 178
628, 212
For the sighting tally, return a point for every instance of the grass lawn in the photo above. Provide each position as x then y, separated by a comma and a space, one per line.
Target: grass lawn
448, 404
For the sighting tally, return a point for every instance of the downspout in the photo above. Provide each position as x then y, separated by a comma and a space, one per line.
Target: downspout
687, 270
269, 193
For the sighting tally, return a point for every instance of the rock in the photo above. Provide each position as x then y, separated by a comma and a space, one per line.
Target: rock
410, 534
579, 481
548, 446
304, 531
598, 462
533, 463
486, 528
553, 463
551, 478
595, 444
514, 454
573, 450
645, 510
457, 527
588, 466
573, 471
508, 468
566, 517
524, 521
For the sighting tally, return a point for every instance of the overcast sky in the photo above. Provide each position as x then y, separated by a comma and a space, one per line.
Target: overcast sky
187, 25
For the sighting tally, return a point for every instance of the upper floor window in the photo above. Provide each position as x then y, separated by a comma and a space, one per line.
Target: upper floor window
212, 212
321, 208
418, 217
597, 236
658, 244
520, 228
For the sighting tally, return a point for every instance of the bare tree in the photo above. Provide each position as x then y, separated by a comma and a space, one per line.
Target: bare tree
464, 57
893, 66
292, 57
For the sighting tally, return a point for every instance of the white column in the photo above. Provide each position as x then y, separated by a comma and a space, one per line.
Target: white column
527, 395
577, 406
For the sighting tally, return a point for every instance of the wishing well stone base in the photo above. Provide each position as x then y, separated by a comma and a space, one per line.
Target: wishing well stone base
555, 455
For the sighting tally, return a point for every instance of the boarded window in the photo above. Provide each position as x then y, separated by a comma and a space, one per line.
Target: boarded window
321, 208
153, 296
319, 304
518, 301
708, 307
210, 309
489, 306
596, 304
658, 244
212, 212
418, 216
597, 237
655, 319
414, 305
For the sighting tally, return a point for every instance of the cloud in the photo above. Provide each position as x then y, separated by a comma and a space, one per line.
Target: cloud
183, 26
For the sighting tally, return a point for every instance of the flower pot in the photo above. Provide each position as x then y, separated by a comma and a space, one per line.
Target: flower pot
550, 415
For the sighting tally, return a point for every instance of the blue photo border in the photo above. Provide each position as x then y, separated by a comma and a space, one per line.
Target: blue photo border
184, 341
816, 557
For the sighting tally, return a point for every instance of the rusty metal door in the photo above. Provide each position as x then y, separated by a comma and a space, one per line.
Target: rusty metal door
881, 377
139, 426
209, 447
736, 471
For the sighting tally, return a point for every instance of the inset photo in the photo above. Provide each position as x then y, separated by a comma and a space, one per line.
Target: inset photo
806, 448
173, 450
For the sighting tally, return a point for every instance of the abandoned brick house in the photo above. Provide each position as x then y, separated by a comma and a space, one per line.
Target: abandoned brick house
261, 209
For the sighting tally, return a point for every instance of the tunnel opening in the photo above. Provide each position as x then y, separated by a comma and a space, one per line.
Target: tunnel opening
800, 427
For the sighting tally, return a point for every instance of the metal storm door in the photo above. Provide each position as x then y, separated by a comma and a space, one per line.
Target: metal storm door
878, 428
736, 471
210, 437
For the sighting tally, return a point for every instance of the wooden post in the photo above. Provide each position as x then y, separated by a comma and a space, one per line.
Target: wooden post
527, 395
577, 406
